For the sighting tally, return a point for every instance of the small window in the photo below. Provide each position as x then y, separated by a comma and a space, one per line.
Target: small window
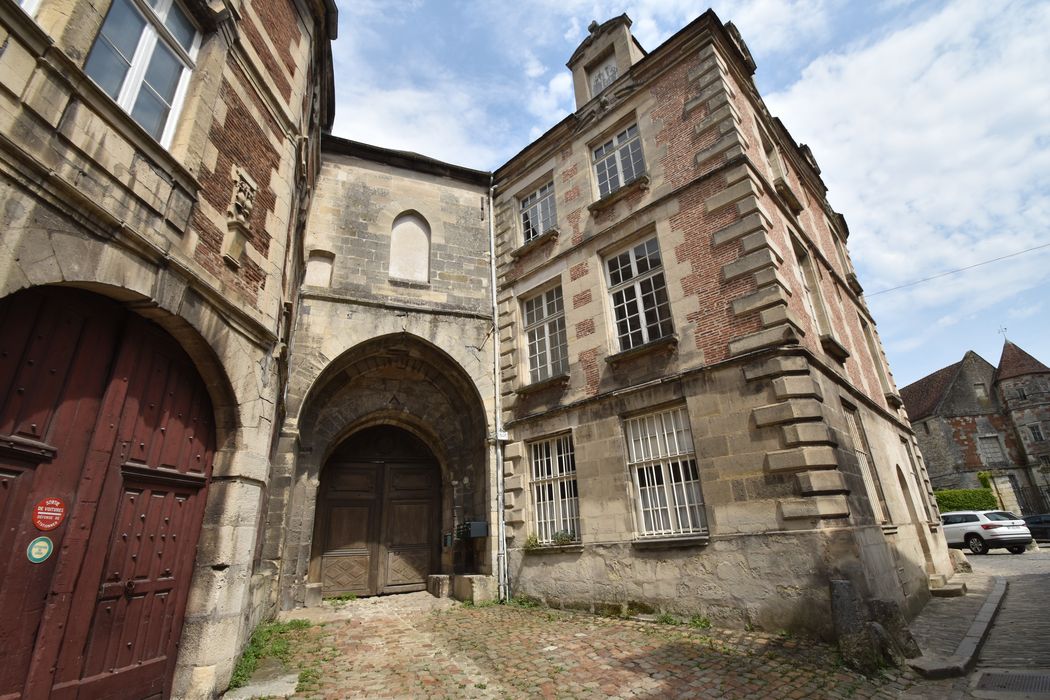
1036, 432
868, 471
537, 212
980, 390
142, 58
639, 295
545, 332
991, 449
663, 467
619, 161
1020, 394
410, 248
556, 499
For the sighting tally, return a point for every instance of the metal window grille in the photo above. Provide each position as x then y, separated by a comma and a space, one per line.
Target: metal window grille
142, 58
619, 161
872, 484
556, 499
661, 458
545, 331
538, 214
639, 295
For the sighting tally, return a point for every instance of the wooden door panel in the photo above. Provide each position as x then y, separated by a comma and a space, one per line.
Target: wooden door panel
349, 527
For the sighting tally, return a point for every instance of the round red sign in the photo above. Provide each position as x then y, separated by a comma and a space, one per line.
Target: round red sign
49, 514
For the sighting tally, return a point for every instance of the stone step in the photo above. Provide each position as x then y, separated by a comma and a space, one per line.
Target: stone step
949, 590
937, 581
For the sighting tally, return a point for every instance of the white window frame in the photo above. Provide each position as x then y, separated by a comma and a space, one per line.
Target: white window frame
646, 286
30, 7
661, 458
1035, 431
554, 490
610, 157
154, 31
546, 339
538, 206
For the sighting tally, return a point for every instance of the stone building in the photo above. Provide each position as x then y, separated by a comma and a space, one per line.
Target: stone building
700, 416
246, 365
972, 417
156, 166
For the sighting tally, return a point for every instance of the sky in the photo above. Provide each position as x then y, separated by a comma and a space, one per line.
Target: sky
930, 122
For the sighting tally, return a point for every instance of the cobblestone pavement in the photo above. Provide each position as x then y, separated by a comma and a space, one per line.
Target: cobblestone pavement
416, 646
412, 646
1020, 636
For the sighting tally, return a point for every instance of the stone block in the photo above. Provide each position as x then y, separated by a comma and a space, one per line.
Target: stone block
476, 588
756, 221
313, 595
776, 366
797, 386
763, 298
776, 315
770, 337
732, 194
814, 507
807, 433
821, 482
797, 458
750, 263
439, 585
787, 412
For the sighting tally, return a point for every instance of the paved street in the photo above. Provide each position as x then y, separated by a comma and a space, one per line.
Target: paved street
414, 646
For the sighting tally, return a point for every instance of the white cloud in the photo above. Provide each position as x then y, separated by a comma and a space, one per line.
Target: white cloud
935, 144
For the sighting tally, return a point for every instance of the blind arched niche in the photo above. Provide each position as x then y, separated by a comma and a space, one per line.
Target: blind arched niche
410, 248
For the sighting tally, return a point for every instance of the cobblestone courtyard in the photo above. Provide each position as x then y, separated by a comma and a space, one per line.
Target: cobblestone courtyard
417, 646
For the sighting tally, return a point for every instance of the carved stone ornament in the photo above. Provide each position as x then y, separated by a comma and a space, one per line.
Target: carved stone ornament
244, 192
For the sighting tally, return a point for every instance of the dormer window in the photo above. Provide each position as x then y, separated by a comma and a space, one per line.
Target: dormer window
603, 74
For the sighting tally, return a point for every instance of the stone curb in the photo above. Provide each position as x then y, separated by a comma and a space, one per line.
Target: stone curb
965, 657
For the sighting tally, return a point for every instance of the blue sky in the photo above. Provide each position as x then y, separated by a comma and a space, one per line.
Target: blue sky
930, 121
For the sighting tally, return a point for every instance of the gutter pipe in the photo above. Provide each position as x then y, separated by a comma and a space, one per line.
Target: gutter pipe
500, 436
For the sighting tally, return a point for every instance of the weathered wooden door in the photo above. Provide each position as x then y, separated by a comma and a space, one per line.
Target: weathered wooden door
378, 521
103, 411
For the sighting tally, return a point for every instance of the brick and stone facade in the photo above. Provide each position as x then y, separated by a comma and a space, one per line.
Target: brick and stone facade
972, 417
324, 288
772, 345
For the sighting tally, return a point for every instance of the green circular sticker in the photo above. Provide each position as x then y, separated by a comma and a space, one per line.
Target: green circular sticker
40, 549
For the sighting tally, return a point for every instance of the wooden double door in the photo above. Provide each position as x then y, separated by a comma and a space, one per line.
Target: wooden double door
105, 425
379, 527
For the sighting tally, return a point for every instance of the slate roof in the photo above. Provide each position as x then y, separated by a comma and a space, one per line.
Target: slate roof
921, 397
1014, 362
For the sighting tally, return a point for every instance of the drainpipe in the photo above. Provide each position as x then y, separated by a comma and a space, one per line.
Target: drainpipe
502, 570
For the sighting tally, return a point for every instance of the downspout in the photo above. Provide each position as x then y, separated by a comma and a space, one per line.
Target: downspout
502, 569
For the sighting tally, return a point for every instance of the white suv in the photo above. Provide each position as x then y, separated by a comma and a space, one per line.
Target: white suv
981, 530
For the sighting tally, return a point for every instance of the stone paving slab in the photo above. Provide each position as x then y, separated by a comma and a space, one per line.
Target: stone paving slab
413, 646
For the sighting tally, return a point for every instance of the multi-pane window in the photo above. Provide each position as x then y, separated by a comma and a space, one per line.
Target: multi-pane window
142, 58
872, 483
537, 212
991, 449
662, 462
639, 295
619, 160
555, 497
812, 299
545, 331
1036, 432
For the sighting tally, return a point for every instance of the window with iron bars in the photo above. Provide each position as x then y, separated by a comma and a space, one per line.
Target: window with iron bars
555, 497
639, 295
619, 161
538, 214
545, 331
663, 467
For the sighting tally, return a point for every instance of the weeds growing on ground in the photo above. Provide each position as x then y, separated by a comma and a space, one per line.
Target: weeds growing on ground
270, 639
667, 619
700, 622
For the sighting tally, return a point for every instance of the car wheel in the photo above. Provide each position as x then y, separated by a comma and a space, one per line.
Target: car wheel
1018, 549
976, 544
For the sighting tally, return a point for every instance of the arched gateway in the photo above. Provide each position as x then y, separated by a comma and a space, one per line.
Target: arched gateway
106, 443
391, 458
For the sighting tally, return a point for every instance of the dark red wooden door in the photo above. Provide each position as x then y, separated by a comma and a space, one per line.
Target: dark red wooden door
103, 410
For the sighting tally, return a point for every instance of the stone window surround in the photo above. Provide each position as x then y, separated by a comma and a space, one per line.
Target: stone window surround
153, 34
565, 505
986, 459
555, 367
536, 208
610, 136
628, 245
1035, 431
657, 461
